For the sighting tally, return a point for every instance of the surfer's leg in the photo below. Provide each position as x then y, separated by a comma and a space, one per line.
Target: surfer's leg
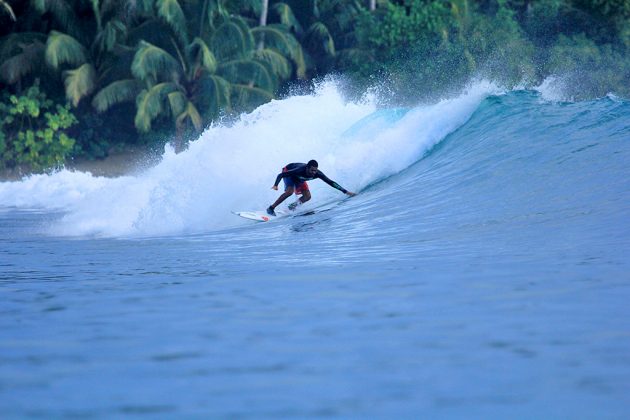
303, 190
306, 195
287, 193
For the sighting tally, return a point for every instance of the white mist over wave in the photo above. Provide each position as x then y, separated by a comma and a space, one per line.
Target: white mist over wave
233, 167
553, 89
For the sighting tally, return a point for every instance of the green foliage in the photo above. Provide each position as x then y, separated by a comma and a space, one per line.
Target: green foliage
33, 130
397, 27
589, 70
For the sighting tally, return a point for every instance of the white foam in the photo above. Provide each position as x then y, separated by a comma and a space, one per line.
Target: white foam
553, 89
233, 167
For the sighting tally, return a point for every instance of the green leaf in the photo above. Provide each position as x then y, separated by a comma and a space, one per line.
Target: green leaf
216, 93
112, 34
287, 18
173, 15
64, 49
278, 38
63, 13
200, 54
249, 97
177, 101
115, 93
79, 83
191, 113
278, 64
150, 105
151, 61
27, 61
319, 39
248, 72
233, 39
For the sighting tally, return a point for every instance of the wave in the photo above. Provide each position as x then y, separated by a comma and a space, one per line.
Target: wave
232, 167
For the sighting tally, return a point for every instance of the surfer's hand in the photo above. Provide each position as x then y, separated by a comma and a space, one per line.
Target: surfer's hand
275, 187
351, 194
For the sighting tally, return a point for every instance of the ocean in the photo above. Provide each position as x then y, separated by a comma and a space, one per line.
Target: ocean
482, 271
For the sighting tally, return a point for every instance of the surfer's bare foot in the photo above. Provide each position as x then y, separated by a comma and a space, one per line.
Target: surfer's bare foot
270, 211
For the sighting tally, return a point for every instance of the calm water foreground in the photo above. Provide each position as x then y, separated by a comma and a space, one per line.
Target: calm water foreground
489, 279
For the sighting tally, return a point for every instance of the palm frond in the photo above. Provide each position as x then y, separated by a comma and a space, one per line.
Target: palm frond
249, 97
27, 61
216, 13
113, 33
62, 12
64, 49
216, 93
171, 12
117, 92
200, 54
287, 18
151, 61
190, 112
248, 72
232, 39
7, 7
177, 101
318, 38
13, 43
150, 105
278, 63
79, 83
277, 37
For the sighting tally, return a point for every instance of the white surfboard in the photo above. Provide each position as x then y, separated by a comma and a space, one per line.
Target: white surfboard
262, 216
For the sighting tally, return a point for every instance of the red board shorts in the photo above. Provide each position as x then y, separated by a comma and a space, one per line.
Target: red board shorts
298, 187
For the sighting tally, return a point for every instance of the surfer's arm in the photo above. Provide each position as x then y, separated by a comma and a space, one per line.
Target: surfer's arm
332, 183
284, 175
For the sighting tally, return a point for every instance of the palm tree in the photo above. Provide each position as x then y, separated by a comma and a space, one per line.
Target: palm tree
193, 81
21, 54
84, 57
329, 27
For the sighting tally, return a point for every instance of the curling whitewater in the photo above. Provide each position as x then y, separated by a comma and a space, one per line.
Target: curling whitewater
481, 272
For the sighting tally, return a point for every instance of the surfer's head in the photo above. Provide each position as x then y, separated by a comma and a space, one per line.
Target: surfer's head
311, 167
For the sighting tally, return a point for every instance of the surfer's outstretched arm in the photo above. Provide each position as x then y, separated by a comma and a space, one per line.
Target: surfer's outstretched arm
333, 184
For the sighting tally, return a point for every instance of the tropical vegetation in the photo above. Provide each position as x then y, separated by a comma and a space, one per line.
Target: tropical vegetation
109, 73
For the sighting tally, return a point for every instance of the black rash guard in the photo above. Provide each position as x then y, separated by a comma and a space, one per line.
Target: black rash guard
297, 172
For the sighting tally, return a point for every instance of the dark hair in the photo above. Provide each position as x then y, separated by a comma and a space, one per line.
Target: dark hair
312, 162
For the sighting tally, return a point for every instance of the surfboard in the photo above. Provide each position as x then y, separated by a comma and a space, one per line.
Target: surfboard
262, 216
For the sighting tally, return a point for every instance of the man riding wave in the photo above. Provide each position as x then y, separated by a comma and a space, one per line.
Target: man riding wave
295, 176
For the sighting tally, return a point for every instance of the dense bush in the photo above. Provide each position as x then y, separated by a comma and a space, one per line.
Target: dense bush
33, 130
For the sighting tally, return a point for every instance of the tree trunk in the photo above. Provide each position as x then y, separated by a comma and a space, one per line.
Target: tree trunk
372, 5
263, 22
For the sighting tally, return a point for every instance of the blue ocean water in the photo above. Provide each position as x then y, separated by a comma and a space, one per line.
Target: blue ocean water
481, 272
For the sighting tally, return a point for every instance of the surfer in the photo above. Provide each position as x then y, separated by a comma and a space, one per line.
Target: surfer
295, 176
